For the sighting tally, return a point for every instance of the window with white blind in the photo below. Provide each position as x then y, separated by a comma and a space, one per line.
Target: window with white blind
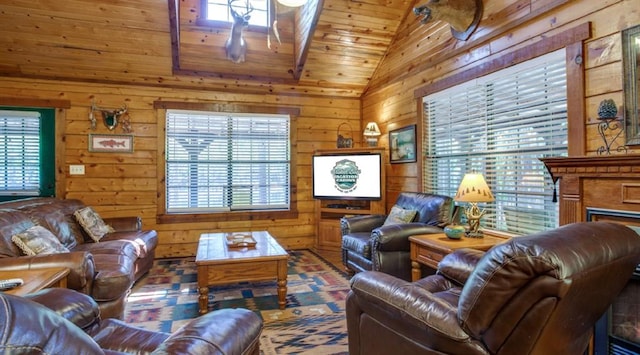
500, 125
27, 153
219, 162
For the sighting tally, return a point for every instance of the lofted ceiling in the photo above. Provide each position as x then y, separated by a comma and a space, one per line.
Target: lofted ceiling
334, 44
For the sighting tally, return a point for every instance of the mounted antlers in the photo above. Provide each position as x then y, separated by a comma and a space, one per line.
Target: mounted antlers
236, 47
462, 15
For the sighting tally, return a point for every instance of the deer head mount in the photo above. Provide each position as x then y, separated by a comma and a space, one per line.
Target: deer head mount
462, 15
236, 47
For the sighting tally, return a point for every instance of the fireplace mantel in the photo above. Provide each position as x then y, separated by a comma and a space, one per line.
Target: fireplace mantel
605, 182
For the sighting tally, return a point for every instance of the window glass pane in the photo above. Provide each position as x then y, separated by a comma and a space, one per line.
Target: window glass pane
218, 10
501, 125
20, 153
221, 162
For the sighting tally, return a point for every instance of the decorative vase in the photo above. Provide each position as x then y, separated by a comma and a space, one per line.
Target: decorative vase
454, 231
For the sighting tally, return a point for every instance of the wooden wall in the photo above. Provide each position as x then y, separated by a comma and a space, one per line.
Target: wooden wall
124, 184
424, 54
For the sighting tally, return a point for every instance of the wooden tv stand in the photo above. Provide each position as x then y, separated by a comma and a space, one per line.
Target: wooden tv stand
329, 212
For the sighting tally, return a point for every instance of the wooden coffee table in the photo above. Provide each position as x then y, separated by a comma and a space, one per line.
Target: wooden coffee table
217, 263
36, 279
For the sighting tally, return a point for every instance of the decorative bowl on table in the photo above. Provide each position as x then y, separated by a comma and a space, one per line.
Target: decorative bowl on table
454, 231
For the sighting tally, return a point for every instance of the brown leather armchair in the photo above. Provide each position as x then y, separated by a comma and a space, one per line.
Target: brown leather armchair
63, 321
537, 294
368, 244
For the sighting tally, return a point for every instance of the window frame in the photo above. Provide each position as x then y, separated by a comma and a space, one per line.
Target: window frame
573, 42
47, 149
457, 153
234, 215
203, 20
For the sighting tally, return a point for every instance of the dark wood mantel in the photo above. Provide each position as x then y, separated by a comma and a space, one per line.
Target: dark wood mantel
604, 182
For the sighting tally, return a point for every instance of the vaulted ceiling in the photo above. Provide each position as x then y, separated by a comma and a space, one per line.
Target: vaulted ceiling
335, 44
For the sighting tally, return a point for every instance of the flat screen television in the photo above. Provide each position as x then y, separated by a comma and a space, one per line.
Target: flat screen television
347, 176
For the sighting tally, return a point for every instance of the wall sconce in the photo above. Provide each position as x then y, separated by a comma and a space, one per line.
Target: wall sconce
474, 189
371, 134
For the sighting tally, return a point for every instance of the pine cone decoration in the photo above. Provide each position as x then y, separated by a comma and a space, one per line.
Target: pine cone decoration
607, 109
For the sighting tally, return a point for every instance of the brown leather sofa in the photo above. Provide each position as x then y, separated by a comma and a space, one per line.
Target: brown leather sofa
62, 321
105, 270
368, 244
538, 294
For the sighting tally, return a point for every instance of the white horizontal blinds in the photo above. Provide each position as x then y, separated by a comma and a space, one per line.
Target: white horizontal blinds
500, 125
221, 162
260, 170
20, 155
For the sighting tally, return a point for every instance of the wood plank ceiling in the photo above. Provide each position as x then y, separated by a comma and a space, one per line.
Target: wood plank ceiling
335, 44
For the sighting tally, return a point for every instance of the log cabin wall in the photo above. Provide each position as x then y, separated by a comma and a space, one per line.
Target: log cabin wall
426, 54
125, 184
67, 54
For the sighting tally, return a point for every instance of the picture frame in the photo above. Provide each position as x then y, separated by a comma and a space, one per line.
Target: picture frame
111, 143
402, 145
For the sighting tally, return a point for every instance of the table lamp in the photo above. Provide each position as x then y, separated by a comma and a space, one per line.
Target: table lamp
474, 189
371, 133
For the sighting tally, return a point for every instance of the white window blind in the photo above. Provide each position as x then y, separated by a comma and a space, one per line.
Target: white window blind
500, 125
20, 144
221, 162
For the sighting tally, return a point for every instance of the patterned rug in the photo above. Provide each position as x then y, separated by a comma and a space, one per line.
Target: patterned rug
313, 321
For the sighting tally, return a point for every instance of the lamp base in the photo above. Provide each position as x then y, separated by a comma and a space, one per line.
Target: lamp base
372, 142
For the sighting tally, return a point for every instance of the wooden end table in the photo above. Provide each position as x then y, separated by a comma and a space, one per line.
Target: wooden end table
217, 263
429, 249
36, 279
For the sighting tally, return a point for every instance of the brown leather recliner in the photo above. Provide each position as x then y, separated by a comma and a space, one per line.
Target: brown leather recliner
63, 321
368, 244
538, 294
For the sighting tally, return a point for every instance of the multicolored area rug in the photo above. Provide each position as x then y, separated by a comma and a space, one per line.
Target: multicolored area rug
313, 321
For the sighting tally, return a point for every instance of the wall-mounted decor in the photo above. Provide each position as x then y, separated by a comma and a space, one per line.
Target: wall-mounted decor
402, 145
342, 141
111, 117
462, 15
111, 143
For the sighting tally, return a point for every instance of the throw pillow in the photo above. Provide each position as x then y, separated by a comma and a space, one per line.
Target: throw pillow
38, 240
399, 215
92, 223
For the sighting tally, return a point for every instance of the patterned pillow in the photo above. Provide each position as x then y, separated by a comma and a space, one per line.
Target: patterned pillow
92, 223
38, 240
399, 215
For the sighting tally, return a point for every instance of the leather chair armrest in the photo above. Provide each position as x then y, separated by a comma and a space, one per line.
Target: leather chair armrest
406, 308
395, 237
76, 307
458, 265
225, 331
80, 264
362, 223
124, 224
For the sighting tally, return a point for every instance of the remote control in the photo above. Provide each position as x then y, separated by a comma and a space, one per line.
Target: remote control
10, 283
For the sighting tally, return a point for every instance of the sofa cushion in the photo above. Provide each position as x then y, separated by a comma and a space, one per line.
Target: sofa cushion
399, 215
38, 240
92, 223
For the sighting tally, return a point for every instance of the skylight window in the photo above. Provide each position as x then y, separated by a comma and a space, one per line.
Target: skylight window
218, 10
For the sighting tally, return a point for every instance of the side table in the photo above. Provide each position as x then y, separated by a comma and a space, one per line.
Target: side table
429, 249
36, 279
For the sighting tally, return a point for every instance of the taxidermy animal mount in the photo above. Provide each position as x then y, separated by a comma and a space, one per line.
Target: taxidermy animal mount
236, 47
111, 118
462, 15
